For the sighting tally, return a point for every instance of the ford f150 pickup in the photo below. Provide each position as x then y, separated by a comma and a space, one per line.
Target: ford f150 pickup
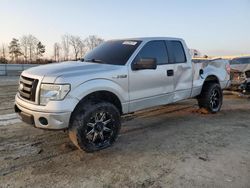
87, 97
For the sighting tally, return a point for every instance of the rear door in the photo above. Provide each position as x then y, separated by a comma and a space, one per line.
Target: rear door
183, 70
151, 87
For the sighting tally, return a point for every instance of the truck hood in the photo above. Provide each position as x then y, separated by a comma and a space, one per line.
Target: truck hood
51, 72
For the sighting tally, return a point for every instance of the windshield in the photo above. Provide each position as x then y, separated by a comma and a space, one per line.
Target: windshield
240, 61
116, 52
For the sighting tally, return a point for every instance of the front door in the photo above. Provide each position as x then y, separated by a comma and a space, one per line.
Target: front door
151, 87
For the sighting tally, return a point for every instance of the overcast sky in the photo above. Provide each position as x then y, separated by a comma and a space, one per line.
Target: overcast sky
215, 27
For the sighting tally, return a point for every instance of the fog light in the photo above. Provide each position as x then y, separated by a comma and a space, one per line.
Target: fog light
43, 121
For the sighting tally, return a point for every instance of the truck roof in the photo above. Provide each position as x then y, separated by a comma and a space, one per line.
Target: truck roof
153, 38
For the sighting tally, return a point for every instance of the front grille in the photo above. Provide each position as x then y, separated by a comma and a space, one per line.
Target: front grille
27, 88
247, 74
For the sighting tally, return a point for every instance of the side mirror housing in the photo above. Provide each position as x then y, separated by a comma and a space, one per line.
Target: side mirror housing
146, 63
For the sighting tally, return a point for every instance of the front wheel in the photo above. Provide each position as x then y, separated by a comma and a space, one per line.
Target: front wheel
211, 97
94, 126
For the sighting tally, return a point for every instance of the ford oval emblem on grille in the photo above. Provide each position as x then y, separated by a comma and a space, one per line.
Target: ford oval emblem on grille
21, 87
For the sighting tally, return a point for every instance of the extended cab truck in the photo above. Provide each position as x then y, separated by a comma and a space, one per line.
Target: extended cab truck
88, 97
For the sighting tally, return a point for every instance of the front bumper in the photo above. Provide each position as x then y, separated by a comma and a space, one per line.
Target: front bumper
41, 118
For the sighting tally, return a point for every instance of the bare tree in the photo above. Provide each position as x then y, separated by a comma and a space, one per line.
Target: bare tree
32, 47
32, 43
29, 44
57, 49
3, 51
25, 45
92, 41
3, 59
82, 48
66, 46
75, 42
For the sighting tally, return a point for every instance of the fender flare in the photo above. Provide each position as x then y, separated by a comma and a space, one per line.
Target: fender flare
95, 85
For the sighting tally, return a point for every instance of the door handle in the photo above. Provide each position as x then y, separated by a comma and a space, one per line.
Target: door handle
170, 72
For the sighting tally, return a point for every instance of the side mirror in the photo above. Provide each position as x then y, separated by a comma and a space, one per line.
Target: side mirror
147, 63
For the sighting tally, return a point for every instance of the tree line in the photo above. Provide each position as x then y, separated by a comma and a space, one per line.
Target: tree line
28, 49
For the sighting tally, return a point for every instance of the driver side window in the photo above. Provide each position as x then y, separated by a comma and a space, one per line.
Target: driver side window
156, 50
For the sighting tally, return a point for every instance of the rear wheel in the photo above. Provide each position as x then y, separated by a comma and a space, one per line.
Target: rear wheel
94, 126
211, 97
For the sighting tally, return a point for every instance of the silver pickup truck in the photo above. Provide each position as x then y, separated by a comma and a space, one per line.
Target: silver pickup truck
87, 97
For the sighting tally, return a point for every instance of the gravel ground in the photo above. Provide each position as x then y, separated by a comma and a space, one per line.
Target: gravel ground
168, 146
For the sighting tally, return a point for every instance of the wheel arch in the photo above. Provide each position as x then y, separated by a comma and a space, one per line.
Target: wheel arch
104, 95
101, 95
211, 79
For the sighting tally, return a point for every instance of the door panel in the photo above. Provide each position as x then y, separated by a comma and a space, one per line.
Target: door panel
182, 81
149, 88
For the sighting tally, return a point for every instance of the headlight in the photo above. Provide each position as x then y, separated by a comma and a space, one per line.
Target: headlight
54, 92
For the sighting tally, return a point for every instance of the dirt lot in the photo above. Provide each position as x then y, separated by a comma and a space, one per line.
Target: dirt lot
170, 146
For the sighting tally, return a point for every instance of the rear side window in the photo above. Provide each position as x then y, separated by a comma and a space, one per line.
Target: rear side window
154, 49
176, 52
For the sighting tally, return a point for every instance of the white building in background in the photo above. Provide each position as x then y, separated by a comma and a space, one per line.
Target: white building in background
194, 53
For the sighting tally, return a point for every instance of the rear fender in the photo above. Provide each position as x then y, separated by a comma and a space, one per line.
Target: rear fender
212, 71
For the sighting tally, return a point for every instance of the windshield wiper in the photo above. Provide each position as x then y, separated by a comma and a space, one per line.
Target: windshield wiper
94, 61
